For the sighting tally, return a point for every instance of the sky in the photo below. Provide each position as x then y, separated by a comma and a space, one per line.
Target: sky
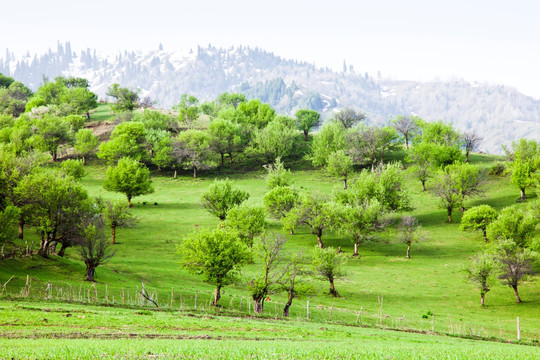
493, 42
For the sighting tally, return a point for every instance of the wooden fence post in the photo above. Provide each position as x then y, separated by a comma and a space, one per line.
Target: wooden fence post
196, 293
172, 296
518, 330
123, 297
27, 287
307, 310
380, 300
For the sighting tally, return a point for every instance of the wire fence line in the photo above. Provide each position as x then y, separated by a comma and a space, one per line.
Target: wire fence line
187, 300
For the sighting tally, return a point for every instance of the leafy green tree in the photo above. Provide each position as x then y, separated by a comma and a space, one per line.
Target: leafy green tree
275, 140
406, 126
116, 215
125, 99
328, 264
127, 140
329, 139
349, 118
523, 172
248, 221
409, 232
230, 99
13, 98
311, 209
130, 178
280, 200
162, 154
471, 140
53, 132
439, 141
73, 168
512, 225
481, 274
255, 113
80, 99
292, 281
54, 203
478, 218
368, 144
269, 250
306, 119
467, 180
9, 218
445, 189
217, 255
340, 165
226, 137
221, 197
423, 168
86, 143
192, 150
188, 109
277, 175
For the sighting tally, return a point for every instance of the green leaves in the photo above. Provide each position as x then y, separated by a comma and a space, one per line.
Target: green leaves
130, 178
221, 197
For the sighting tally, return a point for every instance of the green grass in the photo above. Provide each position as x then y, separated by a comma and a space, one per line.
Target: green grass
58, 330
103, 112
431, 281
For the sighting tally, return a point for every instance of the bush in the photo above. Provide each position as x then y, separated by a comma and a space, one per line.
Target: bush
498, 169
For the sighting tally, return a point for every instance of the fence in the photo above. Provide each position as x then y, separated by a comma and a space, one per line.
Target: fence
187, 300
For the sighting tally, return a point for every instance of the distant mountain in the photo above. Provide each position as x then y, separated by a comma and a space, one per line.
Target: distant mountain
498, 113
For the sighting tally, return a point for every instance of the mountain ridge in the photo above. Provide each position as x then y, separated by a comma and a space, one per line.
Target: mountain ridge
498, 113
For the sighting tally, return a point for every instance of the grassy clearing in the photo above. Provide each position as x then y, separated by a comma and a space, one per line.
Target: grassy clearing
432, 281
61, 330
103, 112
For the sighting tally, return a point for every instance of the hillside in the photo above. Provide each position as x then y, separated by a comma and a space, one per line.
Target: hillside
500, 114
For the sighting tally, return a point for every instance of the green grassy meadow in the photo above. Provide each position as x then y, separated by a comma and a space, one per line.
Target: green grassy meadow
431, 282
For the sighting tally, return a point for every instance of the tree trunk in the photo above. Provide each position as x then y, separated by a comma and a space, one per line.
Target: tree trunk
21, 229
482, 298
523, 196
319, 240
217, 295
333, 288
485, 235
355, 249
52, 247
54, 155
84, 160
129, 201
175, 173
113, 234
406, 142
87, 115
291, 232
289, 302
194, 172
305, 135
518, 299
449, 214
90, 271
222, 155
424, 185
257, 305
62, 250
159, 168
344, 184
44, 247
408, 251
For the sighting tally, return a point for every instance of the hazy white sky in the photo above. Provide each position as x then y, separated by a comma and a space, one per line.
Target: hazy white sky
491, 41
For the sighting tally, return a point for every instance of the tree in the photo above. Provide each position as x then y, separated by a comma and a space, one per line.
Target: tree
127, 140
306, 119
279, 201
188, 109
73, 168
478, 218
254, 113
512, 225
471, 141
329, 139
467, 180
248, 221
93, 247
439, 141
53, 132
221, 197
80, 99
9, 217
421, 158
230, 99
115, 214
340, 165
130, 178
406, 126
277, 175
523, 172
348, 117
268, 249
226, 137
480, 273
85, 143
125, 99
291, 283
328, 264
192, 149
274, 140
53, 204
312, 210
445, 189
409, 230
368, 144
516, 264
217, 255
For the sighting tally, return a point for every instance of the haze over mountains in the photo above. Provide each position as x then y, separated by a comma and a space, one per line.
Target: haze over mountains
498, 113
